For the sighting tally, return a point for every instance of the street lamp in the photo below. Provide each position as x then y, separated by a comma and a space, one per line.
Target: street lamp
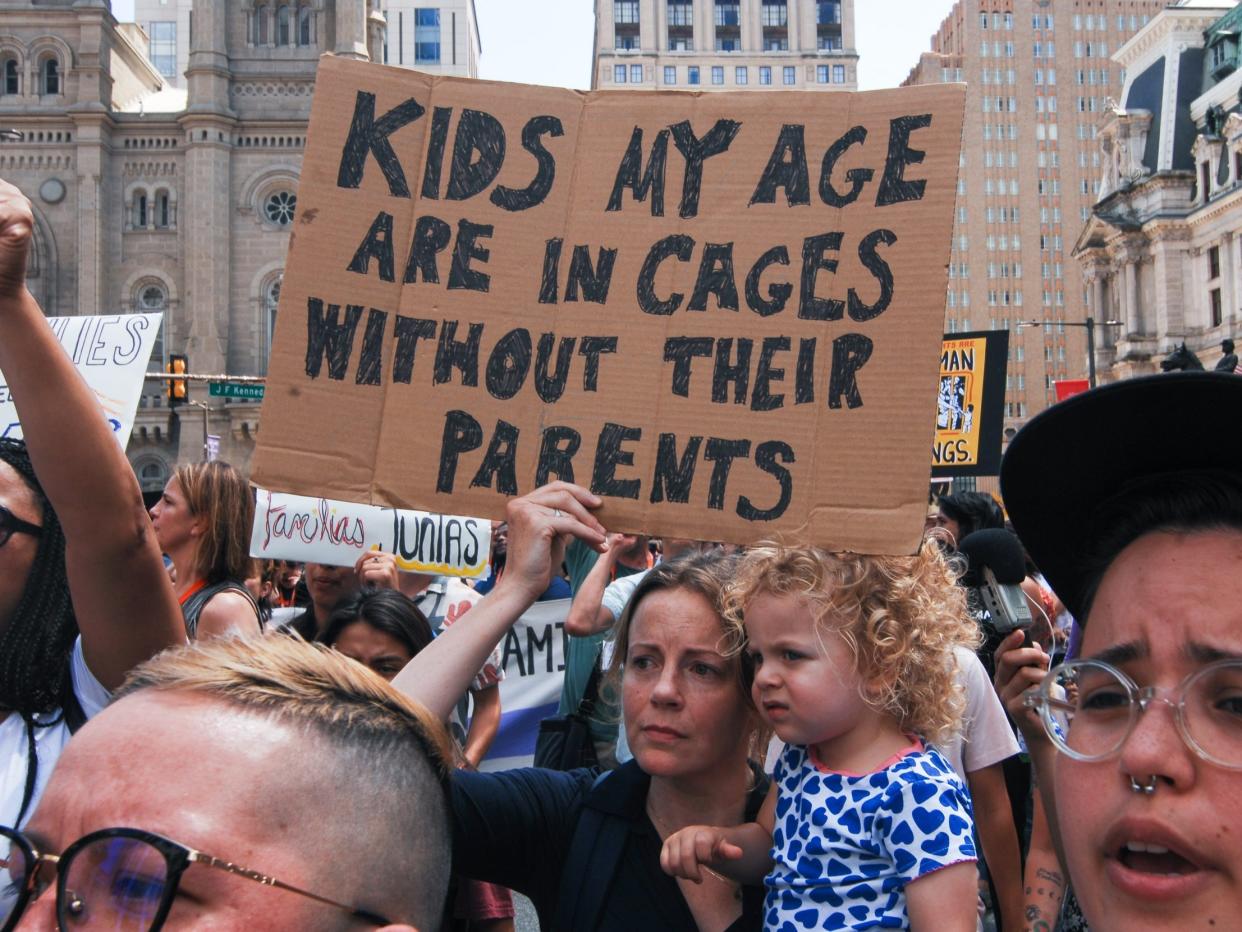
1090, 323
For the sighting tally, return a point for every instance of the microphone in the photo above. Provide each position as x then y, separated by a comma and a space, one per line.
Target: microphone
996, 568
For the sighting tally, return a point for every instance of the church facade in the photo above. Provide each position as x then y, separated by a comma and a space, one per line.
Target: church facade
151, 197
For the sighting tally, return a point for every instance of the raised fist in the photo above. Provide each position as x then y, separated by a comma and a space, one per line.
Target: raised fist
16, 224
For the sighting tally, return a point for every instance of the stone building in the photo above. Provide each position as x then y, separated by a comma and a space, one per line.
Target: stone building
172, 192
1162, 252
1039, 75
717, 45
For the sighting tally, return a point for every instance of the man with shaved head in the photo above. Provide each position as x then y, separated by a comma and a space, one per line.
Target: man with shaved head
238, 761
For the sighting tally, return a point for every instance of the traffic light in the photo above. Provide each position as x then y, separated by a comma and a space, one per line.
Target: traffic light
178, 389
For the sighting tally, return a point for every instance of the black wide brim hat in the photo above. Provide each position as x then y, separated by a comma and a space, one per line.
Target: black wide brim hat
1070, 459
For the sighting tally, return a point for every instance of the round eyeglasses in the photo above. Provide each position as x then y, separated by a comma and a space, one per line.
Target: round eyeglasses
1089, 708
116, 879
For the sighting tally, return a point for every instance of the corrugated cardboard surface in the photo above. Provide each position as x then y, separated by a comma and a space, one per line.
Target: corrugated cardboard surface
856, 476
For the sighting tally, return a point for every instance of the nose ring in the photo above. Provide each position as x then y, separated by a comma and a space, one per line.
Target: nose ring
1145, 788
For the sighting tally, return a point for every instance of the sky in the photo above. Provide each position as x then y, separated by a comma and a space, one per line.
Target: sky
550, 41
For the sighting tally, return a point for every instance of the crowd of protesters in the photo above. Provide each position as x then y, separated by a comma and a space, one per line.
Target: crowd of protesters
775, 736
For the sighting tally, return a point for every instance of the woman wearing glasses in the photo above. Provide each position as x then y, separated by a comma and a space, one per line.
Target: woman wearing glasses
1129, 498
76, 548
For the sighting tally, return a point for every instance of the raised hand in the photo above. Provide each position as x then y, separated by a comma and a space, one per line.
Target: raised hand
16, 225
540, 525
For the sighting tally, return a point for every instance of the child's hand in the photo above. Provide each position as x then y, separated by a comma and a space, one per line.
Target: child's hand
685, 851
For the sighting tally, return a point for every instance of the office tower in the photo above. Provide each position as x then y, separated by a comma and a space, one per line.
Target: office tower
1040, 77
717, 45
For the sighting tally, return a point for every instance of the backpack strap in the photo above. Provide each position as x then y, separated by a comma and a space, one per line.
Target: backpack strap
594, 853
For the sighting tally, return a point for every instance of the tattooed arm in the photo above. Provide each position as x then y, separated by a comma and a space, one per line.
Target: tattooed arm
1044, 879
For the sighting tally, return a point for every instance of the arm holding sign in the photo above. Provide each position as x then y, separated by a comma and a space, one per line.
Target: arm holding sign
122, 597
539, 524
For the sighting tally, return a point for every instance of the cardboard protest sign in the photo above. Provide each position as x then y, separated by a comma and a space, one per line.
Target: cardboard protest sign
532, 655
970, 404
111, 352
720, 312
318, 530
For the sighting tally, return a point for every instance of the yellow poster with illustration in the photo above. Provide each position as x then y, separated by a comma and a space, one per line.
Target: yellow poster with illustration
970, 404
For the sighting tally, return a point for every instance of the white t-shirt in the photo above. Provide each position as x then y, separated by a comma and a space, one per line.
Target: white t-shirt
986, 737
49, 742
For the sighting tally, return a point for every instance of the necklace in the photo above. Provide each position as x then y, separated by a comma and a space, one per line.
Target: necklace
664, 831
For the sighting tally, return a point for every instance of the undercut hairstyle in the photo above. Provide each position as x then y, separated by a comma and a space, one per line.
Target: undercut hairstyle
222, 495
36, 640
385, 610
973, 511
900, 617
1180, 502
387, 753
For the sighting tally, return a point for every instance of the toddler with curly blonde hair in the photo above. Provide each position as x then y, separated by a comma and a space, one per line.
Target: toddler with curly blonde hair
866, 824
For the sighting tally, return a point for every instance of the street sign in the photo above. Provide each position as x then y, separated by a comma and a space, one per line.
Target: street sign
235, 390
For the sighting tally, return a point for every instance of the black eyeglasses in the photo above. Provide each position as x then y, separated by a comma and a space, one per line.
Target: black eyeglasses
116, 879
10, 525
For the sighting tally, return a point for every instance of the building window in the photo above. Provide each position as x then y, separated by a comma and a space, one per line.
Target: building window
152, 298
670, 74
1213, 262
261, 25
741, 75
49, 76
306, 21
1214, 297
728, 13
717, 74
162, 47
821, 74
790, 74
828, 13
838, 74
765, 74
680, 18
284, 27
271, 300
618, 74
625, 11
163, 211
728, 21
140, 210
679, 13
280, 207
692, 74
427, 36
636, 74
12, 81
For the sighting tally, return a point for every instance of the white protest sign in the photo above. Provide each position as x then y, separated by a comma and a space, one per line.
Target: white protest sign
319, 530
532, 655
111, 351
